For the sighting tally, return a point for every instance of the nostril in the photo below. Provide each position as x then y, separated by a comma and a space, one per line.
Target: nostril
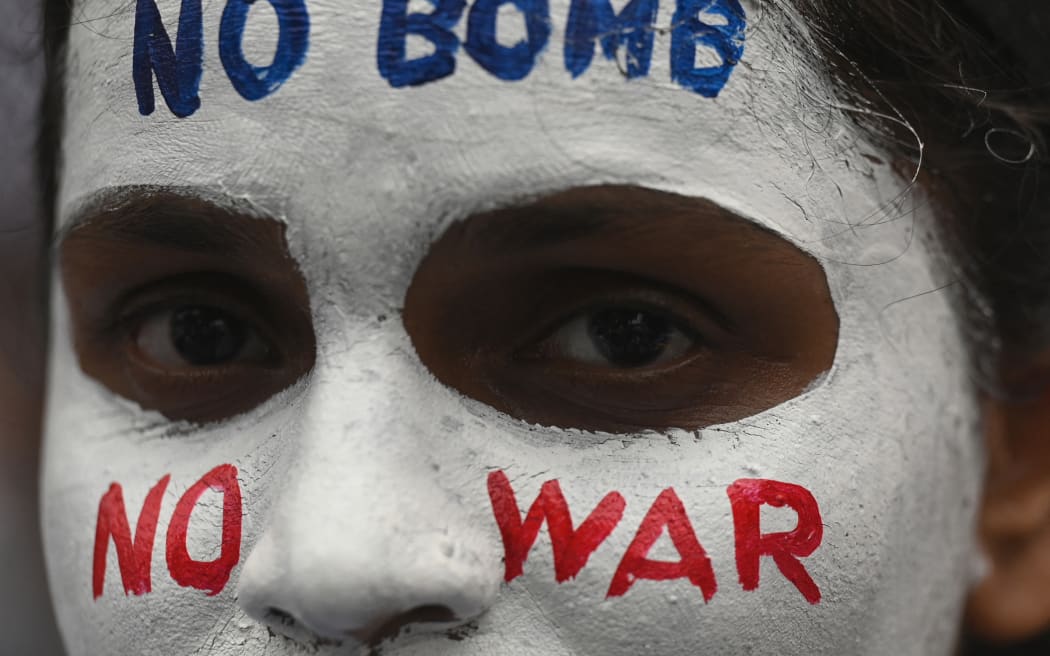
392, 626
277, 616
431, 613
282, 622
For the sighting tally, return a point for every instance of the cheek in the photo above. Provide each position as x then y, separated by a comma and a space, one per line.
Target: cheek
146, 540
145, 524
792, 518
868, 502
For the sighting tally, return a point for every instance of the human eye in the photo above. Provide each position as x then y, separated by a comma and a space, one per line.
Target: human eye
198, 336
669, 315
190, 335
195, 329
612, 350
636, 331
621, 337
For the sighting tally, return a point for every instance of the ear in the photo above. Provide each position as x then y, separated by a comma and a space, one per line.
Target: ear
1012, 601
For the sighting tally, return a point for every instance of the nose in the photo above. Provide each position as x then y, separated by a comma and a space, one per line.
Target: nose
365, 537
381, 629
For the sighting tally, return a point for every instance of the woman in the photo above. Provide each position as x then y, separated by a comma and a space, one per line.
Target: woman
439, 333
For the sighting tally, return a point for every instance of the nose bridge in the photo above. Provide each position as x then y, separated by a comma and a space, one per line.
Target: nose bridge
365, 529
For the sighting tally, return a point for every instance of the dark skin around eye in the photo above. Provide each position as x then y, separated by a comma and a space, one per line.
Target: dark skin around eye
225, 280
492, 287
750, 314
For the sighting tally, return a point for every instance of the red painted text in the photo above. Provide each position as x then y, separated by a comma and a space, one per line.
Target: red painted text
572, 548
134, 554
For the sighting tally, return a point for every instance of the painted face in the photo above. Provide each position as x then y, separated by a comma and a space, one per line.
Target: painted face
448, 333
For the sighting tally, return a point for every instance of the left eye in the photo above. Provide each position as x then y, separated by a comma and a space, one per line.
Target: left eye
620, 337
198, 336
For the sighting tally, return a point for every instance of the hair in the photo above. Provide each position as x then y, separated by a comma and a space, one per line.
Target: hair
972, 94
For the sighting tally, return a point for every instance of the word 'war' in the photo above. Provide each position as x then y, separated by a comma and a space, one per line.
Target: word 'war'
573, 547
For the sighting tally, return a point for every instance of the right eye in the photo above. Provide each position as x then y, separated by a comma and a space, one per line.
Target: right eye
621, 338
205, 348
620, 309
187, 309
199, 336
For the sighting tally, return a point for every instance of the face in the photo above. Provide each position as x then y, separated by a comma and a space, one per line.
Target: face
521, 356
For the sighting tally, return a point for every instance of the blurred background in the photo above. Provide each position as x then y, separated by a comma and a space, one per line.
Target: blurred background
26, 623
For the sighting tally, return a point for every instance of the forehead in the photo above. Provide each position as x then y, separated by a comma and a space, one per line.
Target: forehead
340, 143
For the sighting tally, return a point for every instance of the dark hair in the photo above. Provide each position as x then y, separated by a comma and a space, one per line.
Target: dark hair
969, 82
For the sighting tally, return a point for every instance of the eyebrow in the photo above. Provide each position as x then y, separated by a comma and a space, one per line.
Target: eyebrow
193, 224
533, 227
166, 220
585, 212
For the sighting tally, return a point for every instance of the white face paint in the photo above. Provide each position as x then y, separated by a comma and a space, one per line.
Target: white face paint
364, 485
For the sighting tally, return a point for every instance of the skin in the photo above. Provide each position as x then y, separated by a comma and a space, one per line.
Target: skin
395, 382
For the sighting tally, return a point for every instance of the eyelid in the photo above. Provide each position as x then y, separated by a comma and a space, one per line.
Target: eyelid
678, 345
696, 319
157, 348
141, 303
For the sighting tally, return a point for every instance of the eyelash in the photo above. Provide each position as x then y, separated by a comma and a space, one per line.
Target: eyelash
135, 308
594, 307
274, 346
698, 320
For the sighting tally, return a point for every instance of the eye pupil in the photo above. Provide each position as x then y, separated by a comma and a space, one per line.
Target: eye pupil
629, 338
206, 336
